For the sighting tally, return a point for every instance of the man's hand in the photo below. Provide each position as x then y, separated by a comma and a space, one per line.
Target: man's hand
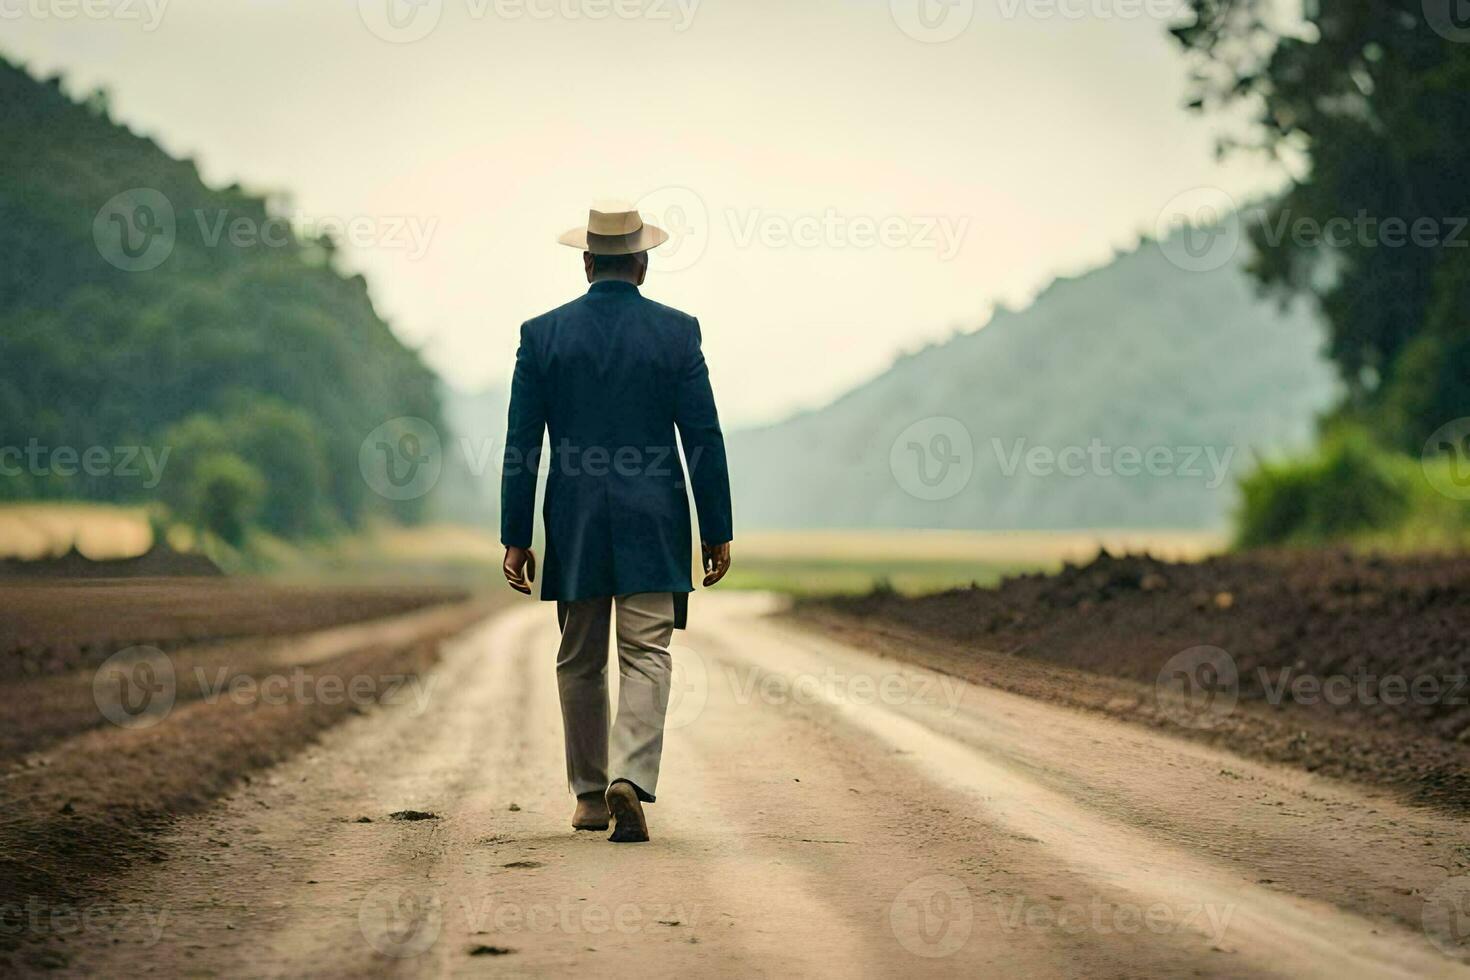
716, 561
520, 568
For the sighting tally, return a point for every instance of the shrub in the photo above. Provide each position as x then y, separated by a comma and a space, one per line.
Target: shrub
1348, 486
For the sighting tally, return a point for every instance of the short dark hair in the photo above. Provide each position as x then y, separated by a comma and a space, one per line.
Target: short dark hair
615, 264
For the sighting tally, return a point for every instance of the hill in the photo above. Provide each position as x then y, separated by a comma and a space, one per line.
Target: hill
143, 312
1052, 412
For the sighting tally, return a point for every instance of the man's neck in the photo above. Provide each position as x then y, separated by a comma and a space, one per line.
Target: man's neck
615, 278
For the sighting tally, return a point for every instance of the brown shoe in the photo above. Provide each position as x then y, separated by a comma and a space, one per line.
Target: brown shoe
591, 813
627, 812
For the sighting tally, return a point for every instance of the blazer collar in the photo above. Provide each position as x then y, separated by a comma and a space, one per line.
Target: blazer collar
612, 287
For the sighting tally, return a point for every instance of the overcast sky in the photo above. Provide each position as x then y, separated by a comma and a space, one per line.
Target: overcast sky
846, 179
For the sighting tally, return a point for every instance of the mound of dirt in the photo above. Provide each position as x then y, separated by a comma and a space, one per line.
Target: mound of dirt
1368, 645
159, 561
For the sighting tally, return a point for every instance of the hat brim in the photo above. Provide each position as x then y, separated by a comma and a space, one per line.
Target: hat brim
645, 238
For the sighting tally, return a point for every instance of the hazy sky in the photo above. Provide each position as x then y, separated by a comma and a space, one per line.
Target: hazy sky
843, 183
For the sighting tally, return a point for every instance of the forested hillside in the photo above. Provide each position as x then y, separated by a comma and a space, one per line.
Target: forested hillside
130, 316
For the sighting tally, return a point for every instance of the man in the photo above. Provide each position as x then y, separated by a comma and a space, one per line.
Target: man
611, 376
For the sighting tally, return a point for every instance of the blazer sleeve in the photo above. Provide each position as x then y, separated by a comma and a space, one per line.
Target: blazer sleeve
523, 432
704, 445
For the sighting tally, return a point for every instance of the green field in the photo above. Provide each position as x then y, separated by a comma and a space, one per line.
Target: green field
795, 562
847, 576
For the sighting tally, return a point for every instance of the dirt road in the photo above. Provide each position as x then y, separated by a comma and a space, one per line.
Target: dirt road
822, 811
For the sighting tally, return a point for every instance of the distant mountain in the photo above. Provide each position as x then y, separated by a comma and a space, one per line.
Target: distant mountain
1137, 356
473, 442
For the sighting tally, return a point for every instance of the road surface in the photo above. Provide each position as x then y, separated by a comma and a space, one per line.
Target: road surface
822, 811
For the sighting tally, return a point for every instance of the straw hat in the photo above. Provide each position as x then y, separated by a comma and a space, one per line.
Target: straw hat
614, 228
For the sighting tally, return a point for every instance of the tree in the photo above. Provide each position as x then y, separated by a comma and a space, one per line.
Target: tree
1375, 97
225, 493
281, 443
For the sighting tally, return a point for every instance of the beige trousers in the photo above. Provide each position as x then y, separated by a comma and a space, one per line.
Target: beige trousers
645, 625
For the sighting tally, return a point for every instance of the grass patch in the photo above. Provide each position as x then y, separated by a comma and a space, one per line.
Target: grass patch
849, 576
1352, 491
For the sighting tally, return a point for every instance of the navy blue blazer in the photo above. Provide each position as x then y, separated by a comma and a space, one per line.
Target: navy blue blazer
611, 376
